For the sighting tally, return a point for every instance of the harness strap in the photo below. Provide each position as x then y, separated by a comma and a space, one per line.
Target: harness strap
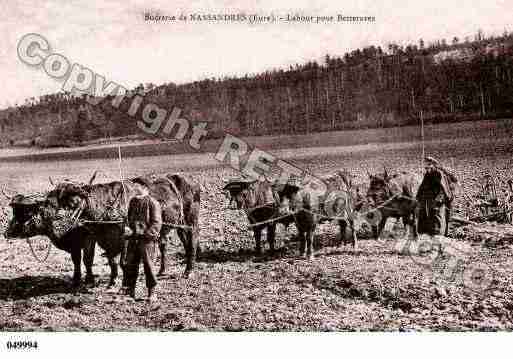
34, 252
271, 220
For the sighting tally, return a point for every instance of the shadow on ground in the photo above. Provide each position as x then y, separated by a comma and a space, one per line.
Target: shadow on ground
242, 255
32, 286
289, 249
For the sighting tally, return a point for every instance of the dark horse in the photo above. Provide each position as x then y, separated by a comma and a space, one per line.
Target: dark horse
260, 201
334, 197
391, 195
76, 216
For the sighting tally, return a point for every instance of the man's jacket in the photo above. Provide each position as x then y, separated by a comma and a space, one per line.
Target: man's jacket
438, 182
145, 216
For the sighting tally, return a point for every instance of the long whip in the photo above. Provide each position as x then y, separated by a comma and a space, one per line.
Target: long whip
422, 139
121, 176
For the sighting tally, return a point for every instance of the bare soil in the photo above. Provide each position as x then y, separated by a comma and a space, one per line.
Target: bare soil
377, 287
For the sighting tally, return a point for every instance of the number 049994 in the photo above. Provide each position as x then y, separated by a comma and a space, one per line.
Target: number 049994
22, 345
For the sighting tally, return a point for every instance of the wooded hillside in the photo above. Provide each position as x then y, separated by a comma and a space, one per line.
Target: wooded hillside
369, 87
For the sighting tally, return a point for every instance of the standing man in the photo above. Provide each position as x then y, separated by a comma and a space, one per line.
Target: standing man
145, 222
435, 196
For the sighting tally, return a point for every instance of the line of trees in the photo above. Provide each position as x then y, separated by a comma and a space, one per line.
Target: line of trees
368, 87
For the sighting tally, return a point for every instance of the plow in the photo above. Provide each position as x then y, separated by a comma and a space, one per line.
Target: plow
491, 205
493, 223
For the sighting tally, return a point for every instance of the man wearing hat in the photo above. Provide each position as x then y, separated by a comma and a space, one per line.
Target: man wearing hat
145, 222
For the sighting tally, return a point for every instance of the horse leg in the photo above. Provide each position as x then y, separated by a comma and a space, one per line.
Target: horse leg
194, 222
355, 239
113, 264
196, 234
89, 260
187, 247
258, 242
123, 262
414, 224
375, 228
271, 233
76, 257
309, 241
123, 254
379, 228
408, 225
192, 241
302, 242
162, 250
165, 236
352, 233
343, 227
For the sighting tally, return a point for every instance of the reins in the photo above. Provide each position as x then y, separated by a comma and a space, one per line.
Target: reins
320, 215
173, 225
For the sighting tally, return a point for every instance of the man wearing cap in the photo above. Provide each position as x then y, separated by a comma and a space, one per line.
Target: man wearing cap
435, 196
145, 222
432, 165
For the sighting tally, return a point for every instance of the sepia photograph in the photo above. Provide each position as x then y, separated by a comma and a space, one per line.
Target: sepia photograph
255, 166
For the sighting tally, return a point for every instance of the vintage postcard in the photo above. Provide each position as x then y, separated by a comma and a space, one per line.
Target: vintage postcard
255, 166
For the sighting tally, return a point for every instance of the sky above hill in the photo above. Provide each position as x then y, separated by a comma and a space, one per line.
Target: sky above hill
112, 37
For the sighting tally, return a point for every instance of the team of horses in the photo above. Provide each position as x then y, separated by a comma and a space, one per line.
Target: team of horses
76, 216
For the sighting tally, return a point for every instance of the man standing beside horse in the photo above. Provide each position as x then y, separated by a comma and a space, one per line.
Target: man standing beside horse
145, 222
435, 196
